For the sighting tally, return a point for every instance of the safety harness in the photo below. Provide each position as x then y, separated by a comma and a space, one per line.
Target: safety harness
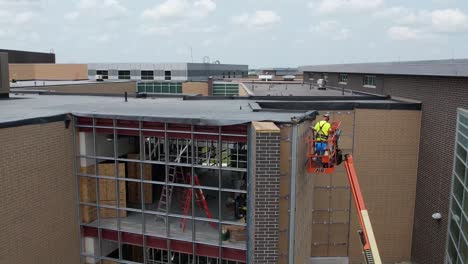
320, 133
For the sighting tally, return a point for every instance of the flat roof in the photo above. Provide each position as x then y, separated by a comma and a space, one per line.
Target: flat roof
43, 83
175, 110
289, 89
452, 68
23, 109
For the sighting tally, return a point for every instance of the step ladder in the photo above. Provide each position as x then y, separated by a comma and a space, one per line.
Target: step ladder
200, 200
175, 175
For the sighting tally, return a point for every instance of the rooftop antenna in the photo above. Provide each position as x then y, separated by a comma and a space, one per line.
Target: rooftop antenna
191, 53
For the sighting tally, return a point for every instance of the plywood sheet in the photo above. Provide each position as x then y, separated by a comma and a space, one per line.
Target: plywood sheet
265, 127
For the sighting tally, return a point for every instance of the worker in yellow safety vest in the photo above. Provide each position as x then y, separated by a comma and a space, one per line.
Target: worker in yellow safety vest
322, 129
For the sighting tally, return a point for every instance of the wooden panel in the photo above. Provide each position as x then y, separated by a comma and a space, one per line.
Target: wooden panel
88, 214
134, 188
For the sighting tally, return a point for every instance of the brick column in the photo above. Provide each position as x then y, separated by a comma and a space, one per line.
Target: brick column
266, 182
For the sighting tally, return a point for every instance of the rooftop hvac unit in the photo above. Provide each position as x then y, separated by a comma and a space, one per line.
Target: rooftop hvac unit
321, 84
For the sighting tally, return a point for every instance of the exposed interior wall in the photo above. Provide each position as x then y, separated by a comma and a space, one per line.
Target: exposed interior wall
48, 71
37, 194
195, 88
284, 190
304, 198
331, 199
386, 147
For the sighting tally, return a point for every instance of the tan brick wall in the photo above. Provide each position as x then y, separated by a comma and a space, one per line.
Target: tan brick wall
195, 88
22, 71
48, 71
386, 159
94, 88
37, 194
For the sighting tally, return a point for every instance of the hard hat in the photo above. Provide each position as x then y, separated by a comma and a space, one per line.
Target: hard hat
326, 115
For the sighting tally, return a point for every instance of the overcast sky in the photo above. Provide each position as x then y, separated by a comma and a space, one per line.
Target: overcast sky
261, 33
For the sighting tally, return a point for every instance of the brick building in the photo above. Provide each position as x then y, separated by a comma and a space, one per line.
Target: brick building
441, 87
127, 179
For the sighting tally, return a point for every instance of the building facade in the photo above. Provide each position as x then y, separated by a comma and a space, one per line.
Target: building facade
166, 71
457, 241
441, 87
20, 56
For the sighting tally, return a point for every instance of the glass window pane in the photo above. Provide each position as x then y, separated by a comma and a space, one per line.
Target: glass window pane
454, 229
234, 236
206, 203
234, 207
155, 225
207, 232
180, 228
464, 251
458, 190
208, 177
463, 120
132, 253
465, 202
452, 252
456, 210
461, 152
460, 169
109, 218
464, 227
87, 190
88, 215
131, 221
236, 180
109, 249
463, 130
462, 139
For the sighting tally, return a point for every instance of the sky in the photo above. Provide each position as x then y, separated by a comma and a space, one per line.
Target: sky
260, 33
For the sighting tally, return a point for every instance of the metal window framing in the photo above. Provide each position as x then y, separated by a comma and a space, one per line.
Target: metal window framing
223, 149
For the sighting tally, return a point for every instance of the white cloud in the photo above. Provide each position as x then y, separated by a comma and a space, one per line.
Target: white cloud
344, 6
24, 18
72, 15
403, 33
18, 20
179, 9
417, 24
261, 19
449, 21
178, 15
107, 9
331, 29
204, 7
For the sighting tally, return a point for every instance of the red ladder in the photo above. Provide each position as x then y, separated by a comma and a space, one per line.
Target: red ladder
201, 203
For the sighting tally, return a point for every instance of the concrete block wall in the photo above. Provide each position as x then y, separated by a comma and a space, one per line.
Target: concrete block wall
37, 194
266, 193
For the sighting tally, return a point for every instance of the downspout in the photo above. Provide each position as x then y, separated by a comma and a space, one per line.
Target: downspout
292, 193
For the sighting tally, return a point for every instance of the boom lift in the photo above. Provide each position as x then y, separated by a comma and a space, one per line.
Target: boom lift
326, 163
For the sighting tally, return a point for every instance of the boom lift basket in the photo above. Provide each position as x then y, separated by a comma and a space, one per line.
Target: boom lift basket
327, 162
